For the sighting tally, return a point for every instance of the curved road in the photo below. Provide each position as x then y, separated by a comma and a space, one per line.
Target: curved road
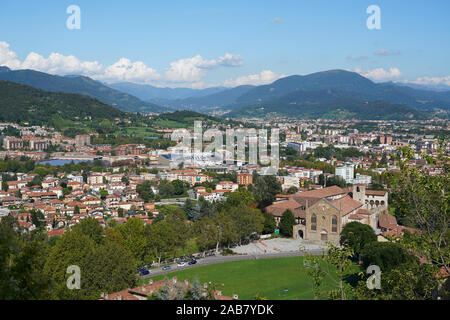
221, 259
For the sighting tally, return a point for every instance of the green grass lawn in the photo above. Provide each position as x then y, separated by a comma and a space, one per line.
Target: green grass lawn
275, 279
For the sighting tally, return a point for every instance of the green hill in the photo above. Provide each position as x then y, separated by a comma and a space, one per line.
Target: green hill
20, 103
331, 106
80, 85
186, 119
351, 85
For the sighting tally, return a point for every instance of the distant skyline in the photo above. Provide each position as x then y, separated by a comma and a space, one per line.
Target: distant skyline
199, 44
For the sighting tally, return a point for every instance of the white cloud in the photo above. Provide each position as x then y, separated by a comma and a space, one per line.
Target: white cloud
125, 70
7, 57
381, 74
57, 63
230, 60
264, 77
189, 71
195, 68
432, 81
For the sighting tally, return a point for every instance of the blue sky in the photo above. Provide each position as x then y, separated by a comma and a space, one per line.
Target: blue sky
204, 43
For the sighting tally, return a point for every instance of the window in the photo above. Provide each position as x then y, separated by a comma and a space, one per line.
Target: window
334, 222
313, 222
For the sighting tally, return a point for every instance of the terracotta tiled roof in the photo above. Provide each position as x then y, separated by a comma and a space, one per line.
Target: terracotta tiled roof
346, 204
356, 216
56, 232
387, 221
322, 193
378, 193
364, 212
277, 209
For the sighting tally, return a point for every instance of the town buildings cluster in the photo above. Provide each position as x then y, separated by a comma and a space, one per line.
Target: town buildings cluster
66, 198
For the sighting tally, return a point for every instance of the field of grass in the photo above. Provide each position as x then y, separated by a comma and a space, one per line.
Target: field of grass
139, 132
275, 279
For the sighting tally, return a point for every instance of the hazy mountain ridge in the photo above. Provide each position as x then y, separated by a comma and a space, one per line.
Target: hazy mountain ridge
148, 92
79, 85
209, 102
21, 103
294, 95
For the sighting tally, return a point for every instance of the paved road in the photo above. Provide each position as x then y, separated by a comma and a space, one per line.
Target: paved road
172, 201
221, 259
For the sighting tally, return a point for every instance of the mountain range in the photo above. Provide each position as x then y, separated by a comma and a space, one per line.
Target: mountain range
20, 103
80, 85
147, 92
333, 93
329, 93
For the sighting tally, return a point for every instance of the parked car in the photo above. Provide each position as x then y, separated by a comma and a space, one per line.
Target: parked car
166, 268
193, 261
182, 264
143, 272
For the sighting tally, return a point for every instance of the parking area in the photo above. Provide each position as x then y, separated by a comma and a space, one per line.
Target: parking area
276, 245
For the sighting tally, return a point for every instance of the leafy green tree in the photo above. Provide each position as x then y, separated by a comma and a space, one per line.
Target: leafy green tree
37, 181
179, 187
407, 281
125, 180
180, 228
37, 218
386, 255
206, 234
72, 249
292, 190
164, 292
22, 259
356, 235
240, 197
90, 227
195, 291
162, 240
207, 208
225, 232
135, 239
166, 189
103, 194
145, 191
336, 181
422, 201
287, 223
111, 269
270, 223
246, 221
329, 272
265, 190
192, 210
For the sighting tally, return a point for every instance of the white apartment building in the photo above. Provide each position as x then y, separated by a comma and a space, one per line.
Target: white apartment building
347, 172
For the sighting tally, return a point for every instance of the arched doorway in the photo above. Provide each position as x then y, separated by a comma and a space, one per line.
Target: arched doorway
324, 235
300, 234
